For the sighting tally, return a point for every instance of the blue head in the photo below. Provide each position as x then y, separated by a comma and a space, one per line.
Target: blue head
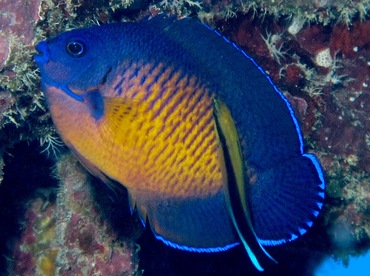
81, 59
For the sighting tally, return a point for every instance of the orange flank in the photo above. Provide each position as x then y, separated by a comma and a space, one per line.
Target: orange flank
157, 132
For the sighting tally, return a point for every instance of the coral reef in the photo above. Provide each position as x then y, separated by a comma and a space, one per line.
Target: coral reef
318, 54
324, 12
17, 71
65, 233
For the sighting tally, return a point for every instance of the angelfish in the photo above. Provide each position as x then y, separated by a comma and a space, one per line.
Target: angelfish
208, 148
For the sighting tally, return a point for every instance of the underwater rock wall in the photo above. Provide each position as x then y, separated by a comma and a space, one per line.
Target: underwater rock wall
66, 234
317, 52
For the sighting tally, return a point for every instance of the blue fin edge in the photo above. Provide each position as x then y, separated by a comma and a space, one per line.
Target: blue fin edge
195, 249
319, 170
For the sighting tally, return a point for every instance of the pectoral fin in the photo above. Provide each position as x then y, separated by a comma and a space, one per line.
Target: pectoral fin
121, 113
235, 185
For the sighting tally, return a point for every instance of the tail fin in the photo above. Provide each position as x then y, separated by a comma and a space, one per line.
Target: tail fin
286, 199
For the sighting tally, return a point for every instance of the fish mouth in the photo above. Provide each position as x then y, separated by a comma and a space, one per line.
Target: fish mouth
42, 55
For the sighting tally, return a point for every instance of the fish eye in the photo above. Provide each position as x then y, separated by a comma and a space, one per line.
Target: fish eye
76, 48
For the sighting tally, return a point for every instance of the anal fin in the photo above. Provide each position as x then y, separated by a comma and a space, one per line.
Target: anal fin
191, 224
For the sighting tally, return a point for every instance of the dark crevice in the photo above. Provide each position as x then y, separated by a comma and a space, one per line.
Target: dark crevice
26, 171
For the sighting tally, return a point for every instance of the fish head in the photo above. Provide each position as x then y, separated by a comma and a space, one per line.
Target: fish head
76, 60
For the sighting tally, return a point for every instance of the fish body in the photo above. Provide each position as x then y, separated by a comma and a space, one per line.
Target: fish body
191, 126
